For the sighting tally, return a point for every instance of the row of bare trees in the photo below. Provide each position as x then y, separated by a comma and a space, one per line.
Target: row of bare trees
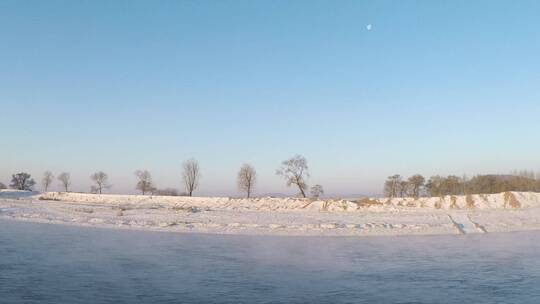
191, 176
396, 186
417, 185
295, 171
23, 181
63, 178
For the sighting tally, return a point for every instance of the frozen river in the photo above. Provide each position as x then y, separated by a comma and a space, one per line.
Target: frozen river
41, 263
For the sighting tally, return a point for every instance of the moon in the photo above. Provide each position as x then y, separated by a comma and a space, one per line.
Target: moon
369, 26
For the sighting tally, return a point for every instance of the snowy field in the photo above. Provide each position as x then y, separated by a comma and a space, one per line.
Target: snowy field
510, 211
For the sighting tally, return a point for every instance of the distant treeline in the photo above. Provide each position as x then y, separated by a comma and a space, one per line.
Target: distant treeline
417, 185
295, 172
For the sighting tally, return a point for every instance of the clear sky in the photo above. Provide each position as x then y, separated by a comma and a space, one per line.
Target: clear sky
447, 87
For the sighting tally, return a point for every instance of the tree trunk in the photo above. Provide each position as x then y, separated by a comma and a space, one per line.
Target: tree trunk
302, 191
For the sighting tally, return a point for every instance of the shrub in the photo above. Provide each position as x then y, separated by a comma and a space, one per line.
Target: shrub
167, 192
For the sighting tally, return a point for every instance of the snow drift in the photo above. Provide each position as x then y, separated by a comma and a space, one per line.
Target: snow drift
503, 212
506, 200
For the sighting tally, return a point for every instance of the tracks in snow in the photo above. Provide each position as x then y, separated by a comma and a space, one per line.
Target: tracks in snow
464, 224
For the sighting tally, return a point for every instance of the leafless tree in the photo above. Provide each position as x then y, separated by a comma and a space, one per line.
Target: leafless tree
47, 180
392, 185
65, 180
433, 185
403, 188
465, 184
22, 181
247, 176
295, 172
2, 186
145, 183
452, 185
101, 180
317, 191
416, 182
191, 175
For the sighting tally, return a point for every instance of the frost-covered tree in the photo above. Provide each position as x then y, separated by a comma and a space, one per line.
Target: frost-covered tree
295, 172
22, 181
247, 176
47, 180
65, 180
144, 183
191, 175
101, 181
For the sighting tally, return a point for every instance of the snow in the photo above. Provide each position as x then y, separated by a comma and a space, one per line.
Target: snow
11, 193
510, 211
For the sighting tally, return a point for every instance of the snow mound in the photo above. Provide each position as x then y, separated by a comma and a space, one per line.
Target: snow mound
506, 200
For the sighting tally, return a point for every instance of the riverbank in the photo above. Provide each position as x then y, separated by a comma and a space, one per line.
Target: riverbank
510, 211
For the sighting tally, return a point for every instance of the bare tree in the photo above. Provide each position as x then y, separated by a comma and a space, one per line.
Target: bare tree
247, 176
101, 180
465, 184
316, 191
403, 188
145, 183
191, 175
65, 180
433, 185
392, 185
2, 186
47, 180
295, 172
416, 182
452, 185
22, 181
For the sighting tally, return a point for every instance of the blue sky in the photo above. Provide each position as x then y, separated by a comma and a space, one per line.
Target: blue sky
447, 87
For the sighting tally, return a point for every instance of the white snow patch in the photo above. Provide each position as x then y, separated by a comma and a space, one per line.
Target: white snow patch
283, 216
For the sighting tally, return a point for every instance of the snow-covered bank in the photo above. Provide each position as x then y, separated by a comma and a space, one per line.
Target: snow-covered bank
506, 200
510, 211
